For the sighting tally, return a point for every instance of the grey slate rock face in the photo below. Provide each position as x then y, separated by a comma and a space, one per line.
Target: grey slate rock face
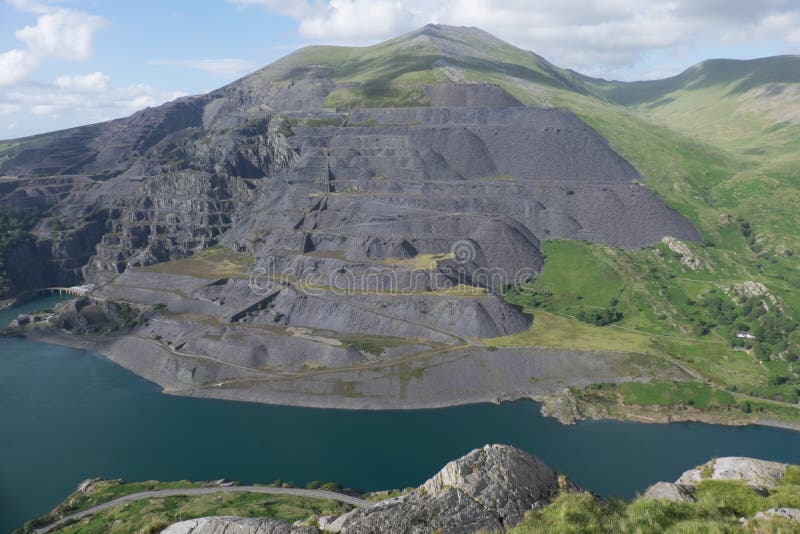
488, 489
469, 96
168, 181
260, 168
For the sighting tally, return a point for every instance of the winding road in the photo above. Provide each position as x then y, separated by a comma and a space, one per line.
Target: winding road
297, 492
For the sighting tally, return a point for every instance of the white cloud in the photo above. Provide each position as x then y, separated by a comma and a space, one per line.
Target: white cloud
8, 109
58, 34
229, 67
96, 81
594, 36
15, 65
73, 100
63, 34
29, 5
356, 19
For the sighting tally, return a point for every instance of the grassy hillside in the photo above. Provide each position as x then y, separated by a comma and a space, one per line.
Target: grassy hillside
718, 508
390, 73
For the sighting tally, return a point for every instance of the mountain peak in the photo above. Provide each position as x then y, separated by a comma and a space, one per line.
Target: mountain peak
457, 40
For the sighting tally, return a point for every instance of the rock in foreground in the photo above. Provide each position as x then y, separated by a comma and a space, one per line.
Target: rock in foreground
488, 489
239, 525
755, 473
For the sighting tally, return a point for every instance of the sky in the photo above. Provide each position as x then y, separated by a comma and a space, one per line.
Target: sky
65, 63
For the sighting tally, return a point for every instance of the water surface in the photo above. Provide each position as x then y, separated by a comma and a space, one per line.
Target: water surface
67, 415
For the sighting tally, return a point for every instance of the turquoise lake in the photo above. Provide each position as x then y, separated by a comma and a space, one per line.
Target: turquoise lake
67, 415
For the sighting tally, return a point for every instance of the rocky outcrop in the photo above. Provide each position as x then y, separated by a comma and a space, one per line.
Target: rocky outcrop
238, 525
755, 473
670, 492
688, 258
792, 514
90, 316
488, 489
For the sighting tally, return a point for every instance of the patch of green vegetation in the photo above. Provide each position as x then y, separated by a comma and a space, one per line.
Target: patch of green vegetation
719, 506
327, 486
316, 122
147, 514
601, 317
378, 496
651, 399
694, 394
753, 323
576, 276
374, 345
108, 490
154, 514
393, 96
212, 263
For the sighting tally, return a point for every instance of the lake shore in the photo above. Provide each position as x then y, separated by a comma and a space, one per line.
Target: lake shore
385, 389
112, 423
454, 377
449, 376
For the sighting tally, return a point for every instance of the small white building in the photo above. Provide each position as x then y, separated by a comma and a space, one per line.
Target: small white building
745, 335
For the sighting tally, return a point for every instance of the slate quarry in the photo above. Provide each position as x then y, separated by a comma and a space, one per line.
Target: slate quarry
354, 222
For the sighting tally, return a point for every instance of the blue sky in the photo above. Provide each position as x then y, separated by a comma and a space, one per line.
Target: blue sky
70, 62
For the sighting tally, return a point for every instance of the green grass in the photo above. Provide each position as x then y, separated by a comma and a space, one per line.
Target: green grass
694, 394
575, 275
107, 490
719, 506
152, 515
136, 516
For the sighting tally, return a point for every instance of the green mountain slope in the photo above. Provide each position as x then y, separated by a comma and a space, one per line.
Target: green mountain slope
389, 73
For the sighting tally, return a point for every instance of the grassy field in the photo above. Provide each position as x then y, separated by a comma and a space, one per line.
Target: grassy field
558, 288
671, 393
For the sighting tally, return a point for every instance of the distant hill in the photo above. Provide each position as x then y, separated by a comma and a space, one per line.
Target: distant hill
737, 76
